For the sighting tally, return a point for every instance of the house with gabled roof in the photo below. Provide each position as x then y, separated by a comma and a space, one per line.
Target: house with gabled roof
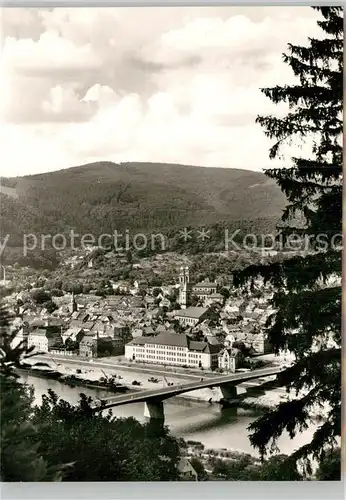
186, 470
161, 329
229, 359
148, 330
88, 346
73, 333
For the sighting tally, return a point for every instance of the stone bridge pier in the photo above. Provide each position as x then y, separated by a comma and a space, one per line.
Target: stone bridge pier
154, 411
230, 392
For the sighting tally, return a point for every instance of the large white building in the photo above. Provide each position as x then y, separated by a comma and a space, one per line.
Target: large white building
44, 340
170, 348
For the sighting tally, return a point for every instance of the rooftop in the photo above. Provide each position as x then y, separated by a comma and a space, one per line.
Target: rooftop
72, 330
178, 340
164, 338
212, 340
205, 284
87, 325
203, 347
191, 312
88, 338
45, 333
232, 351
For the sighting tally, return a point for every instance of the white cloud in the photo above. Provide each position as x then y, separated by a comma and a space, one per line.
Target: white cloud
237, 33
49, 53
122, 85
100, 94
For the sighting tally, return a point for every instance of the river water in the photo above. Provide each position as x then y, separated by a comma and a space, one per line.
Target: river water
192, 420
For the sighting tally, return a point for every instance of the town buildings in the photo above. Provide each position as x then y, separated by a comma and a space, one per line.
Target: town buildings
74, 334
191, 316
212, 299
84, 319
44, 339
122, 330
88, 347
185, 287
229, 359
170, 348
205, 290
187, 471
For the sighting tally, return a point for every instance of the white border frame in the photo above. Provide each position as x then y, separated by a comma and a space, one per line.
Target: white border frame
220, 490
175, 490
164, 3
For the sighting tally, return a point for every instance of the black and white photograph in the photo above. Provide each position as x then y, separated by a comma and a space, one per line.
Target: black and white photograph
171, 244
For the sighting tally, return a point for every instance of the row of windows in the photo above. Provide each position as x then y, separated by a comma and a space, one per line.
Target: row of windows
191, 321
181, 359
38, 344
156, 348
161, 352
194, 361
162, 358
166, 359
173, 354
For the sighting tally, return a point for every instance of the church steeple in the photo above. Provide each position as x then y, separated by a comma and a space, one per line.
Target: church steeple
73, 303
184, 280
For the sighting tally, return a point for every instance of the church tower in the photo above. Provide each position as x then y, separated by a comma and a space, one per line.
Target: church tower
73, 303
184, 280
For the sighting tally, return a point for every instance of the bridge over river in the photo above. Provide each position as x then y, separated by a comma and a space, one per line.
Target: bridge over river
153, 398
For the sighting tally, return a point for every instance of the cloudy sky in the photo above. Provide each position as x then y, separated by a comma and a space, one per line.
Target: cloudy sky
177, 85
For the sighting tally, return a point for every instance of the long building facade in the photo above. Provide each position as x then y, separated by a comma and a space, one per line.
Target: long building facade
170, 348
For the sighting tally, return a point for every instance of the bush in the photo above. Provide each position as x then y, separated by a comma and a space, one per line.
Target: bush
50, 306
40, 296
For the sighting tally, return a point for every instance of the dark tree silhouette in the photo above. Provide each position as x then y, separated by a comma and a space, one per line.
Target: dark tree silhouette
306, 301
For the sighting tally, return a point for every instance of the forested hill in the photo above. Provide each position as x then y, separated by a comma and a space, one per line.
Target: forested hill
100, 197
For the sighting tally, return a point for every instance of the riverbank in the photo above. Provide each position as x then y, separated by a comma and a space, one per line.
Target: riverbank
250, 396
144, 378
119, 363
219, 429
104, 383
270, 400
131, 379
